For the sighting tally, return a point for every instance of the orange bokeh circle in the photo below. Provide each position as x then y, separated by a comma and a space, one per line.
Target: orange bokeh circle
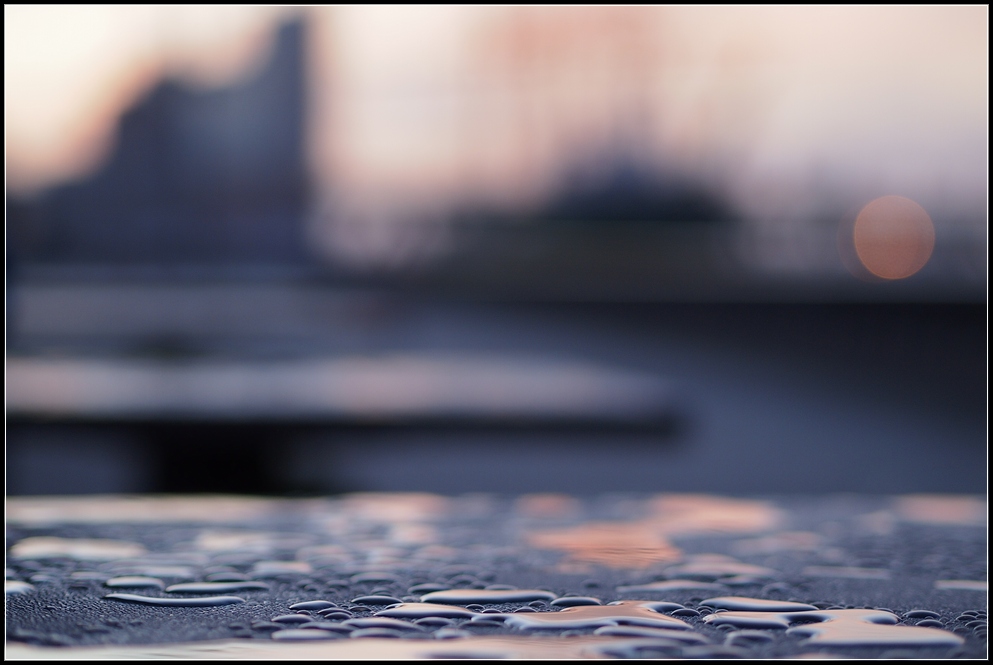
893, 237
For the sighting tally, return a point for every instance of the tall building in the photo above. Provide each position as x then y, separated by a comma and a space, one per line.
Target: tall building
197, 176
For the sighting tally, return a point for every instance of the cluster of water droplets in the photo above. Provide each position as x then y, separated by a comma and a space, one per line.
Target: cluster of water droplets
376, 570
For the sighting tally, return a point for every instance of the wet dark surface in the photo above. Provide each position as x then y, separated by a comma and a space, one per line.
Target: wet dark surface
542, 575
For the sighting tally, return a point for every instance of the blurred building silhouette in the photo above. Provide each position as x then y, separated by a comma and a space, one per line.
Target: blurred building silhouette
196, 176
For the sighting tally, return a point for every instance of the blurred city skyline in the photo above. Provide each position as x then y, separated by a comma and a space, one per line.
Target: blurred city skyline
791, 115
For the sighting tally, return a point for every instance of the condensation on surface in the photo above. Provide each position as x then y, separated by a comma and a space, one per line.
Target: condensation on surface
377, 543
841, 627
646, 542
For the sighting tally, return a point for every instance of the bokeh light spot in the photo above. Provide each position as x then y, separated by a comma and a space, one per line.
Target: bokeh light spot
894, 237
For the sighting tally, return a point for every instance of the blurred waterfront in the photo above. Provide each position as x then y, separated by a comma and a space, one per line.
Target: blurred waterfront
509, 249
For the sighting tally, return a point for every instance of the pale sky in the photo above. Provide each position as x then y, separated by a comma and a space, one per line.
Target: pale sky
410, 105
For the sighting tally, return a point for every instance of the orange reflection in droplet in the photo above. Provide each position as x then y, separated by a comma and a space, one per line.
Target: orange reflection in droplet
894, 237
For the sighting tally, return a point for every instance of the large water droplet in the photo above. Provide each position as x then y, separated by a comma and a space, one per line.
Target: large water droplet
376, 632
744, 604
669, 586
575, 601
629, 612
215, 587
315, 605
135, 581
922, 614
466, 596
209, 601
376, 600
292, 618
422, 610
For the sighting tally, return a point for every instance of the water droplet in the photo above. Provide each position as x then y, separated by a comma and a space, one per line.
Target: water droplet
325, 625
135, 581
669, 586
16, 587
303, 634
292, 618
434, 621
376, 632
420, 610
335, 614
380, 622
315, 605
377, 600
575, 601
267, 625
921, 614
501, 587
428, 587
466, 596
215, 587
629, 612
209, 601
741, 603
930, 623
